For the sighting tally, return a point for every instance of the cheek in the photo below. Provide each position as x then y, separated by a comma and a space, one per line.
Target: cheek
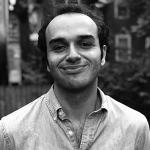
95, 59
94, 55
54, 60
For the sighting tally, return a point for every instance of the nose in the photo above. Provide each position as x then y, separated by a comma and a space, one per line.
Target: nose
73, 54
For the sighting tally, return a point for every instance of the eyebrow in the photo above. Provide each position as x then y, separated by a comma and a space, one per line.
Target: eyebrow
57, 40
63, 40
86, 37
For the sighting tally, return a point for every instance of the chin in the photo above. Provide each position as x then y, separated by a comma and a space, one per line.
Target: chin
76, 82
75, 88
76, 85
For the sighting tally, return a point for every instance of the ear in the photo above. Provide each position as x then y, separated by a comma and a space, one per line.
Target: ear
48, 69
104, 49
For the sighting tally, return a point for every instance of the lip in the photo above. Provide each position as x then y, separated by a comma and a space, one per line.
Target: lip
73, 69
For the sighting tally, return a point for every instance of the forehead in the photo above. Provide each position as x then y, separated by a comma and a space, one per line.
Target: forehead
71, 24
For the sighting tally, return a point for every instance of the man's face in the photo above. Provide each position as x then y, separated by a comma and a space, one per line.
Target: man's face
73, 50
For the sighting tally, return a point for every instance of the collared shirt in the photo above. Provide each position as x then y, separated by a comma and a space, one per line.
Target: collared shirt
42, 125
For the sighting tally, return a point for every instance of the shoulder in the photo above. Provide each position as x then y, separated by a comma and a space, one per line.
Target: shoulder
20, 117
133, 123
126, 114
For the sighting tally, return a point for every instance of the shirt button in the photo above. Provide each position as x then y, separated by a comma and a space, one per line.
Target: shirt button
61, 113
55, 118
70, 133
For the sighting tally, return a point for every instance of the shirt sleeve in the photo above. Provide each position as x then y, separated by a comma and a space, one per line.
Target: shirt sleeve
143, 140
4, 139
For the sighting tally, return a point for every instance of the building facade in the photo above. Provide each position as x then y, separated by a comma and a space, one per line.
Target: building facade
25, 22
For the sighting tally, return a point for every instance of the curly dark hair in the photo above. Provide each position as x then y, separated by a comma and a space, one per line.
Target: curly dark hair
103, 30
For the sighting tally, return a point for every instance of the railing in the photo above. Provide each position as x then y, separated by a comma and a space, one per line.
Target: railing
14, 97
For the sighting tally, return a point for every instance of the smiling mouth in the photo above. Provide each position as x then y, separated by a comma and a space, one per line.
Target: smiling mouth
73, 69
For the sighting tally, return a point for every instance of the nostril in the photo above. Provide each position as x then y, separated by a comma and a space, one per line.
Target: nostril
73, 59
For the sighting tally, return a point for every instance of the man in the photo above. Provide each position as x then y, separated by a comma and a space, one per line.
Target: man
75, 113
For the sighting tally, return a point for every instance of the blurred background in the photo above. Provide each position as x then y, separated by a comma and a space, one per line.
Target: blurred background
126, 75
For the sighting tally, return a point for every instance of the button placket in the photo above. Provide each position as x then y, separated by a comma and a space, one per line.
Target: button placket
71, 133
88, 132
68, 130
72, 137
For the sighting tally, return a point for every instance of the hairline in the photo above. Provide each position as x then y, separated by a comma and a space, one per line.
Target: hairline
70, 13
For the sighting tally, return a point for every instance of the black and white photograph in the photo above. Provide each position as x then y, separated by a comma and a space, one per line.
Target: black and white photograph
74, 74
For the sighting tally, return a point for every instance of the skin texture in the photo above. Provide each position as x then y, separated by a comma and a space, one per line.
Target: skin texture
74, 58
73, 51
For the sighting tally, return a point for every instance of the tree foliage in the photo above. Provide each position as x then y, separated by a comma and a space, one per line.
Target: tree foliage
129, 82
141, 10
34, 70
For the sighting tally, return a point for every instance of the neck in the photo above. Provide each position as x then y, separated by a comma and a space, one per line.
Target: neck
77, 104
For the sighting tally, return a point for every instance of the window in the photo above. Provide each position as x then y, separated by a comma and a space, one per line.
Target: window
123, 47
121, 11
73, 1
147, 43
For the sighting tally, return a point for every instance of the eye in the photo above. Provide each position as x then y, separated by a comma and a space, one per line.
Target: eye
86, 44
58, 48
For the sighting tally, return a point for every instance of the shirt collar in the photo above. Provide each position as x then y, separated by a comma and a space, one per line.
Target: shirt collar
56, 109
104, 104
52, 103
